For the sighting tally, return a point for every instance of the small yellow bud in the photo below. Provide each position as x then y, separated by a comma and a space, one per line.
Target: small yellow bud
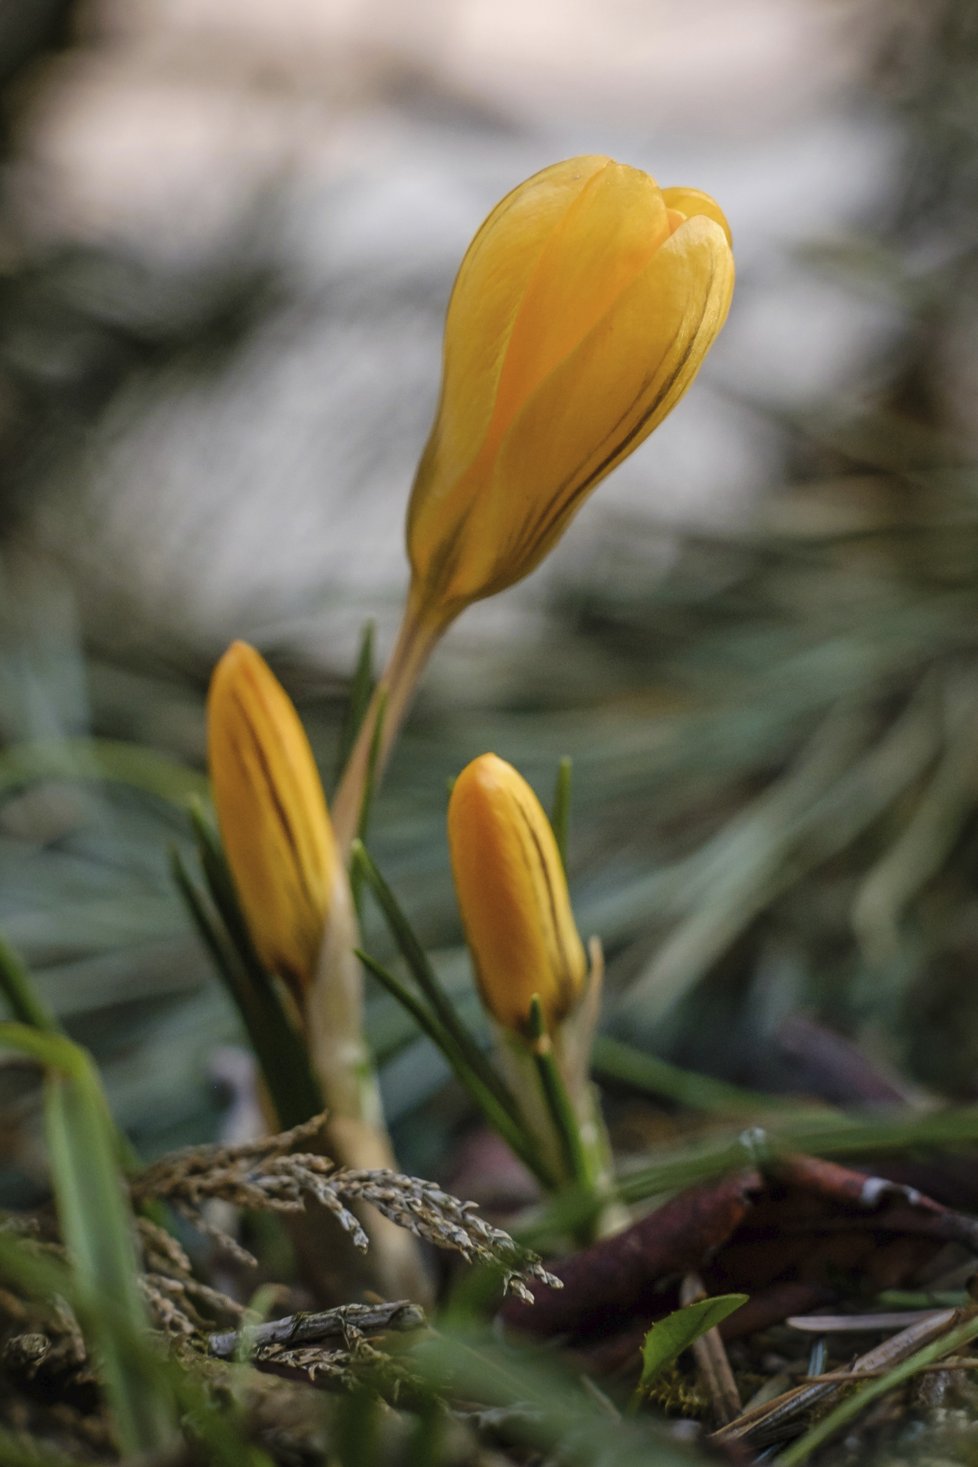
513, 897
582, 311
272, 813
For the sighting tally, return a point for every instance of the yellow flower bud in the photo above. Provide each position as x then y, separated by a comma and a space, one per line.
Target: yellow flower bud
272, 813
513, 897
582, 311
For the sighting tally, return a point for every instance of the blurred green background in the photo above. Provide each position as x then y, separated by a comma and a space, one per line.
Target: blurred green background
227, 235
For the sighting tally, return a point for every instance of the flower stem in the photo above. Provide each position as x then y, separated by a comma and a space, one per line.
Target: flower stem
416, 640
355, 1134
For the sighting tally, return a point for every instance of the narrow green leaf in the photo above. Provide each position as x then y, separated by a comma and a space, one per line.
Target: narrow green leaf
370, 783
498, 1116
560, 1110
29, 1008
425, 977
559, 1421
113, 760
361, 691
17, 1451
611, 1060
203, 920
804, 1127
221, 887
560, 814
279, 1049
669, 1337
25, 1002
97, 1226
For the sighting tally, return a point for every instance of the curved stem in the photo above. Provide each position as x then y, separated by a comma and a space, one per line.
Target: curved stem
416, 640
355, 1134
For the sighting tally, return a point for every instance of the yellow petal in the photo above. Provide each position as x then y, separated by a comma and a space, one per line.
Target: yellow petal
486, 298
272, 813
600, 402
513, 896
606, 397
694, 203
605, 239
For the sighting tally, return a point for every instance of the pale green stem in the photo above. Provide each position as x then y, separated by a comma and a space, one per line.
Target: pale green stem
573, 1042
419, 634
558, 1096
356, 1134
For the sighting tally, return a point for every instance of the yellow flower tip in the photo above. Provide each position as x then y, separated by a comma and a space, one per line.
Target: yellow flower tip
513, 896
272, 813
581, 313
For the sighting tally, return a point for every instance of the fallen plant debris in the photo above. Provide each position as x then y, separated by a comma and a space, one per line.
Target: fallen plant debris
798, 1234
44, 1350
793, 1232
267, 1175
924, 1341
346, 1322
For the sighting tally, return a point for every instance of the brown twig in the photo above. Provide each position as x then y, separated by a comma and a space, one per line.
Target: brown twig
304, 1328
764, 1423
712, 1363
618, 1275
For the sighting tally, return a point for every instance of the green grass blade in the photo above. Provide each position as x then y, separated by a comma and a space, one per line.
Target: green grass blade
498, 1116
560, 811
615, 1062
559, 1108
424, 976
98, 1229
29, 1008
279, 1049
15, 1451
361, 691
559, 1421
215, 1422
816, 1131
221, 888
112, 760
370, 783
18, 989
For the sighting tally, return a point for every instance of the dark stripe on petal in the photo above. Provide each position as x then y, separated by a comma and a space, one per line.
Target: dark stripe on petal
275, 802
555, 925
554, 511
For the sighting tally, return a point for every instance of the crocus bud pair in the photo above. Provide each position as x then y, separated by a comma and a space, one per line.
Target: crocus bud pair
513, 897
279, 844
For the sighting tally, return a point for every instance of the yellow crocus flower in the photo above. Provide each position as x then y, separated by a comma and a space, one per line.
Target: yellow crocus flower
582, 311
272, 814
513, 897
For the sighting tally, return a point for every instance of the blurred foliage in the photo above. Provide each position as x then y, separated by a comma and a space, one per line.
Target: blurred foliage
774, 771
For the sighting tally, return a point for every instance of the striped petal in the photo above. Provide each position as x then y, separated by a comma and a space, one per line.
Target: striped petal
513, 896
272, 813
